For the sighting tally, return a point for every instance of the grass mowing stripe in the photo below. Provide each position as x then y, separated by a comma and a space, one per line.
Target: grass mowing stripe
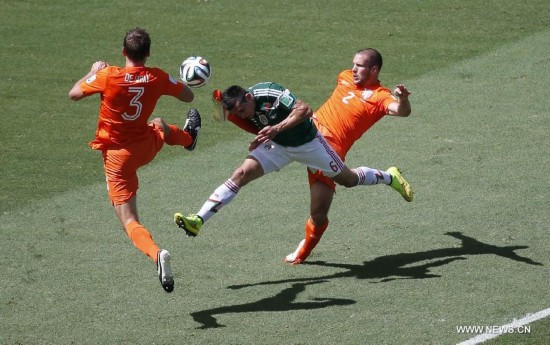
508, 328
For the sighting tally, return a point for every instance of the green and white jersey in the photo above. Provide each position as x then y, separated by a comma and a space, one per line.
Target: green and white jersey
273, 104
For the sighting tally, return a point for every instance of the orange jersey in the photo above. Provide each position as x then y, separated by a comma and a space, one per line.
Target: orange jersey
128, 98
350, 111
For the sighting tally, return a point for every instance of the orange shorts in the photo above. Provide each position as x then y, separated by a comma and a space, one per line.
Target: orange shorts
318, 176
121, 165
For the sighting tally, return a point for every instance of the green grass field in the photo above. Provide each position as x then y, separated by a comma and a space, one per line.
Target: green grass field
471, 250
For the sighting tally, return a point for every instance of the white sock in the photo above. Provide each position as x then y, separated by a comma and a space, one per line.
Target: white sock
221, 197
369, 176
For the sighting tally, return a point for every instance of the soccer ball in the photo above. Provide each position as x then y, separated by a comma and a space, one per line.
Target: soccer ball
195, 71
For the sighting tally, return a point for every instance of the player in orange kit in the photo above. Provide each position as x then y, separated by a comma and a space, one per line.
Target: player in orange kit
357, 102
126, 137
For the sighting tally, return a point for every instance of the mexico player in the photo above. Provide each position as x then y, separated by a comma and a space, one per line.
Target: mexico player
285, 133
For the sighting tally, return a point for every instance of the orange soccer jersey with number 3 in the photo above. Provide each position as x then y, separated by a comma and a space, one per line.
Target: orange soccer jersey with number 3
128, 98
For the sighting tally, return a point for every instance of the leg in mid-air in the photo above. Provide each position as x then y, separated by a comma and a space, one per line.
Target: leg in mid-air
223, 195
142, 240
121, 171
186, 136
369, 176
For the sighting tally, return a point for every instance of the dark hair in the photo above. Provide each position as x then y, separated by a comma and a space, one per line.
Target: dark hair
232, 95
375, 58
137, 44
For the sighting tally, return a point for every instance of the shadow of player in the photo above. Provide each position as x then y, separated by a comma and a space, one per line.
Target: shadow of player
283, 301
415, 265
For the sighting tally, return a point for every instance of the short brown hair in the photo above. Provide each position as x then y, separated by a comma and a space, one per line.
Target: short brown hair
137, 44
375, 58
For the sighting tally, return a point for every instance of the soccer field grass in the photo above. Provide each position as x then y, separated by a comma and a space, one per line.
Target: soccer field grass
472, 249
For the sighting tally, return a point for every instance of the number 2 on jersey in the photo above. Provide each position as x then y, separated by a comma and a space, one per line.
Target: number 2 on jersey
346, 99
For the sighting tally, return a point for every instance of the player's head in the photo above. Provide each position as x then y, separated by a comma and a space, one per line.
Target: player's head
367, 63
137, 45
238, 101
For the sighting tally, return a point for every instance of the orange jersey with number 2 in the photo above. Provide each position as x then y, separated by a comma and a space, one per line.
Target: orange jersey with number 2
128, 98
350, 111
346, 115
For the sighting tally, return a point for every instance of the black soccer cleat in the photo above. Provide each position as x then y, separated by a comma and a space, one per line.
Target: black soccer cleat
192, 126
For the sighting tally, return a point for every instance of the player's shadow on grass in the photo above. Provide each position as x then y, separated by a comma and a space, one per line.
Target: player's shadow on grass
386, 268
415, 265
283, 301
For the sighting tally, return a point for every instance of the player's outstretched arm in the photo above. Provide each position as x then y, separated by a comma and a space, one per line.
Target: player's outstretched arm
76, 93
402, 107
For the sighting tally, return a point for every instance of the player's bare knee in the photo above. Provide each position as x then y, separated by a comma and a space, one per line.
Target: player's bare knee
158, 121
319, 219
162, 124
240, 176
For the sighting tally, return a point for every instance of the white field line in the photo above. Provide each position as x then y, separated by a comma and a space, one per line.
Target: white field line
514, 324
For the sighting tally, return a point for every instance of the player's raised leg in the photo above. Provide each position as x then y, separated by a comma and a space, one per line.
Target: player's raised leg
219, 198
223, 195
401, 185
369, 176
192, 126
186, 136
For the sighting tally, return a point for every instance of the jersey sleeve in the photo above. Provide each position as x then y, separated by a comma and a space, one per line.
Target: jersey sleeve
387, 99
286, 100
243, 124
96, 83
173, 86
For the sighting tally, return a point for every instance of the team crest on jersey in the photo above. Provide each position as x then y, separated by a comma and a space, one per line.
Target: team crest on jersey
266, 106
366, 94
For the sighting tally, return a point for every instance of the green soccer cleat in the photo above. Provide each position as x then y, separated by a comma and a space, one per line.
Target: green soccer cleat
191, 224
401, 185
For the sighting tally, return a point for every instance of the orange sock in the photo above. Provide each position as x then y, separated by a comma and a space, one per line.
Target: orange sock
178, 137
142, 239
313, 236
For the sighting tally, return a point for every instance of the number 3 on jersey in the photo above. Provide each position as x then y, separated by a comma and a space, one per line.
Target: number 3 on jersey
138, 92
